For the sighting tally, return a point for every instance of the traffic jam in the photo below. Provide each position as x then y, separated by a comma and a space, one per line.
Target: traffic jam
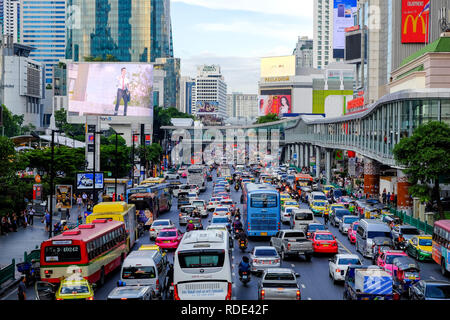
234, 232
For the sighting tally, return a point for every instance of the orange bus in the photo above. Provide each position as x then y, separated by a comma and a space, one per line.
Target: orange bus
93, 250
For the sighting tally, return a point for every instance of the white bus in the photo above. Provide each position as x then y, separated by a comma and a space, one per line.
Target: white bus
197, 176
202, 266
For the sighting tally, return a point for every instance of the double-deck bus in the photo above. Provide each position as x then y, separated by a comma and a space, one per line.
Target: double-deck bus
91, 250
118, 211
441, 245
261, 214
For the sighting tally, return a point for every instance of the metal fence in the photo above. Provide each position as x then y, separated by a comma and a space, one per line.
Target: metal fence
8, 272
425, 227
33, 255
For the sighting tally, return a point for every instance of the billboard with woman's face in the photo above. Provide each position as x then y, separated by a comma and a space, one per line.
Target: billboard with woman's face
110, 89
278, 104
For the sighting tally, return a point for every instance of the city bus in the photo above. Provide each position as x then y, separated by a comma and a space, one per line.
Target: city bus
118, 211
90, 250
261, 214
441, 245
197, 176
304, 180
202, 266
150, 200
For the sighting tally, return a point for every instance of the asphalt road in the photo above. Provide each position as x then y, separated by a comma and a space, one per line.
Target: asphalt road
314, 281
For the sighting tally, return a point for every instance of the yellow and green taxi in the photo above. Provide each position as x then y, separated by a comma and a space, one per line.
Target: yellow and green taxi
327, 189
420, 247
151, 247
285, 197
290, 203
79, 289
334, 206
319, 206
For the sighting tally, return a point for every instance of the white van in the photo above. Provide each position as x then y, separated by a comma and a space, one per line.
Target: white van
145, 268
369, 230
202, 266
301, 218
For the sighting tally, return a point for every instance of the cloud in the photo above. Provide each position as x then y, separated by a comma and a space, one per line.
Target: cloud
296, 8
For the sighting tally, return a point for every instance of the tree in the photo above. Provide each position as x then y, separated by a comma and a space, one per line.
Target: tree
425, 156
271, 117
162, 118
62, 124
11, 122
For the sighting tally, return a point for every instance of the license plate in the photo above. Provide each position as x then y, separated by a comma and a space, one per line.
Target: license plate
326, 245
264, 233
166, 241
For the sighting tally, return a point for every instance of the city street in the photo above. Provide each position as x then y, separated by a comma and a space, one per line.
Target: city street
314, 281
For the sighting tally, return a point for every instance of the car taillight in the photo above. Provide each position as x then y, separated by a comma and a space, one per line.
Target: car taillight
48, 271
58, 299
154, 229
298, 295
90, 298
175, 293
289, 246
230, 286
396, 296
338, 270
263, 293
255, 261
276, 260
157, 283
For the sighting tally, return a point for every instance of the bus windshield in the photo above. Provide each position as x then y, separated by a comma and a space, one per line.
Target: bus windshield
202, 259
263, 200
198, 171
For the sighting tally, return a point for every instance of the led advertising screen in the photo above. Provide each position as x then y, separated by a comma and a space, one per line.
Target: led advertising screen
343, 19
278, 104
110, 89
63, 196
207, 107
278, 66
85, 181
415, 21
353, 46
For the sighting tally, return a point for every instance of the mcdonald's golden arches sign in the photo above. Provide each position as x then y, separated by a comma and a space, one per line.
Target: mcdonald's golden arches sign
415, 21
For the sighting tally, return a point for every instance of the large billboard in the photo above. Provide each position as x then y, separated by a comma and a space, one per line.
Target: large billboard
415, 21
278, 104
85, 181
343, 19
63, 196
207, 107
278, 67
110, 89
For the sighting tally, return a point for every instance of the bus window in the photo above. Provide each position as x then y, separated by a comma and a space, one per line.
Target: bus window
263, 200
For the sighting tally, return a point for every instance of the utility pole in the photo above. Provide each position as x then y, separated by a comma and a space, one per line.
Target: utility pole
117, 167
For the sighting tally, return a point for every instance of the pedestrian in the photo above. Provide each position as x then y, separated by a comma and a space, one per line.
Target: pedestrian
384, 196
84, 196
392, 199
395, 200
46, 219
388, 198
14, 222
80, 219
3, 226
21, 289
67, 214
79, 201
31, 216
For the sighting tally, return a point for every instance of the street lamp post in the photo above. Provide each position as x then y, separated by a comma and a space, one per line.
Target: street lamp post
94, 196
117, 167
132, 160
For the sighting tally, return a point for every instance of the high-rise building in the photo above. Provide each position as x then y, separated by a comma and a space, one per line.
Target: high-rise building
10, 18
131, 31
304, 53
42, 26
210, 88
323, 33
170, 92
242, 105
186, 94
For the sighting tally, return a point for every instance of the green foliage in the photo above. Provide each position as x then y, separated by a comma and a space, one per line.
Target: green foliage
62, 124
271, 117
162, 118
12, 122
425, 156
151, 153
108, 158
49, 86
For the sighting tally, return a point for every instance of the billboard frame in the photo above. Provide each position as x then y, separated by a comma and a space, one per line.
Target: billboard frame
97, 186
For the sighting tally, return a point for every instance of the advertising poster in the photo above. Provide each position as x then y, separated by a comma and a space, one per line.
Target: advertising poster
343, 19
279, 104
63, 197
207, 107
415, 21
110, 89
85, 181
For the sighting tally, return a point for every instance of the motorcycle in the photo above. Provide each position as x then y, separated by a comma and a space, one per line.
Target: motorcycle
245, 278
243, 245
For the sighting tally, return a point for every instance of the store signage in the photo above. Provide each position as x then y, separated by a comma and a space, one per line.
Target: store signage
415, 21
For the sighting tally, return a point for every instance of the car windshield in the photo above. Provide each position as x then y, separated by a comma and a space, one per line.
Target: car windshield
338, 193
265, 253
220, 220
324, 237
304, 216
341, 213
350, 220
425, 242
294, 235
379, 234
221, 210
167, 234
412, 231
160, 223
355, 226
320, 197
140, 272
391, 257
438, 291
320, 204
198, 203
349, 261
279, 277
315, 227
74, 289
290, 203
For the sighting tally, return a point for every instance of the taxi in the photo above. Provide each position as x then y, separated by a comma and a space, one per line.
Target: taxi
420, 247
333, 206
385, 260
324, 242
327, 188
169, 238
290, 203
285, 197
79, 289
152, 247
318, 207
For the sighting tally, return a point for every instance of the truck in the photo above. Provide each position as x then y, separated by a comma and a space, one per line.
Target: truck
368, 283
292, 243
197, 176
279, 284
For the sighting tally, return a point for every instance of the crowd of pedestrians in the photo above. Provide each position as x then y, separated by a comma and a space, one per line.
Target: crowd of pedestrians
12, 222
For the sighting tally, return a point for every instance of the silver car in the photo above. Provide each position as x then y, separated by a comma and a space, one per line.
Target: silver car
185, 214
279, 284
264, 257
346, 222
158, 225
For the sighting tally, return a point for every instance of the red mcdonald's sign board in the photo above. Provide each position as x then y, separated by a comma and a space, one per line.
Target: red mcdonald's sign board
415, 21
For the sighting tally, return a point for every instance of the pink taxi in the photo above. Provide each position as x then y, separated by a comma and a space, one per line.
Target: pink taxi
386, 258
351, 234
169, 238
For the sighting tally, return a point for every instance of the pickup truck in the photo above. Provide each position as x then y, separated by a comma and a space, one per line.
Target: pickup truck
292, 243
368, 283
279, 284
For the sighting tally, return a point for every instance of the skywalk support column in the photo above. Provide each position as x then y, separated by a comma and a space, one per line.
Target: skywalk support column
318, 159
307, 156
297, 161
404, 201
371, 178
288, 153
328, 164
301, 156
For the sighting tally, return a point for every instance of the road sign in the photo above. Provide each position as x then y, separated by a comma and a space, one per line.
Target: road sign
295, 156
37, 178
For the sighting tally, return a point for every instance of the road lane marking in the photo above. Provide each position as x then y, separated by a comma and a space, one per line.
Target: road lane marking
309, 298
303, 286
338, 241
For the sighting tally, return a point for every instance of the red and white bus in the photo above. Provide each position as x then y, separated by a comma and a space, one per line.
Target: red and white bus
441, 245
92, 250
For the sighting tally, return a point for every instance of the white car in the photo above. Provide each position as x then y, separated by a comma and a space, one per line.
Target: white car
192, 196
264, 257
338, 265
346, 222
158, 225
222, 211
171, 176
213, 203
201, 206
286, 214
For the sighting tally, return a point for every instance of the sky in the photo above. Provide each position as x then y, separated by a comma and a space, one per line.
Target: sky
235, 34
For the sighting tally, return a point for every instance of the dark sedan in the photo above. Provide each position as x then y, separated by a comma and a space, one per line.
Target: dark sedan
430, 290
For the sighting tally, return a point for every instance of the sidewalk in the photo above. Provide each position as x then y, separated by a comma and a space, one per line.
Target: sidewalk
14, 244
